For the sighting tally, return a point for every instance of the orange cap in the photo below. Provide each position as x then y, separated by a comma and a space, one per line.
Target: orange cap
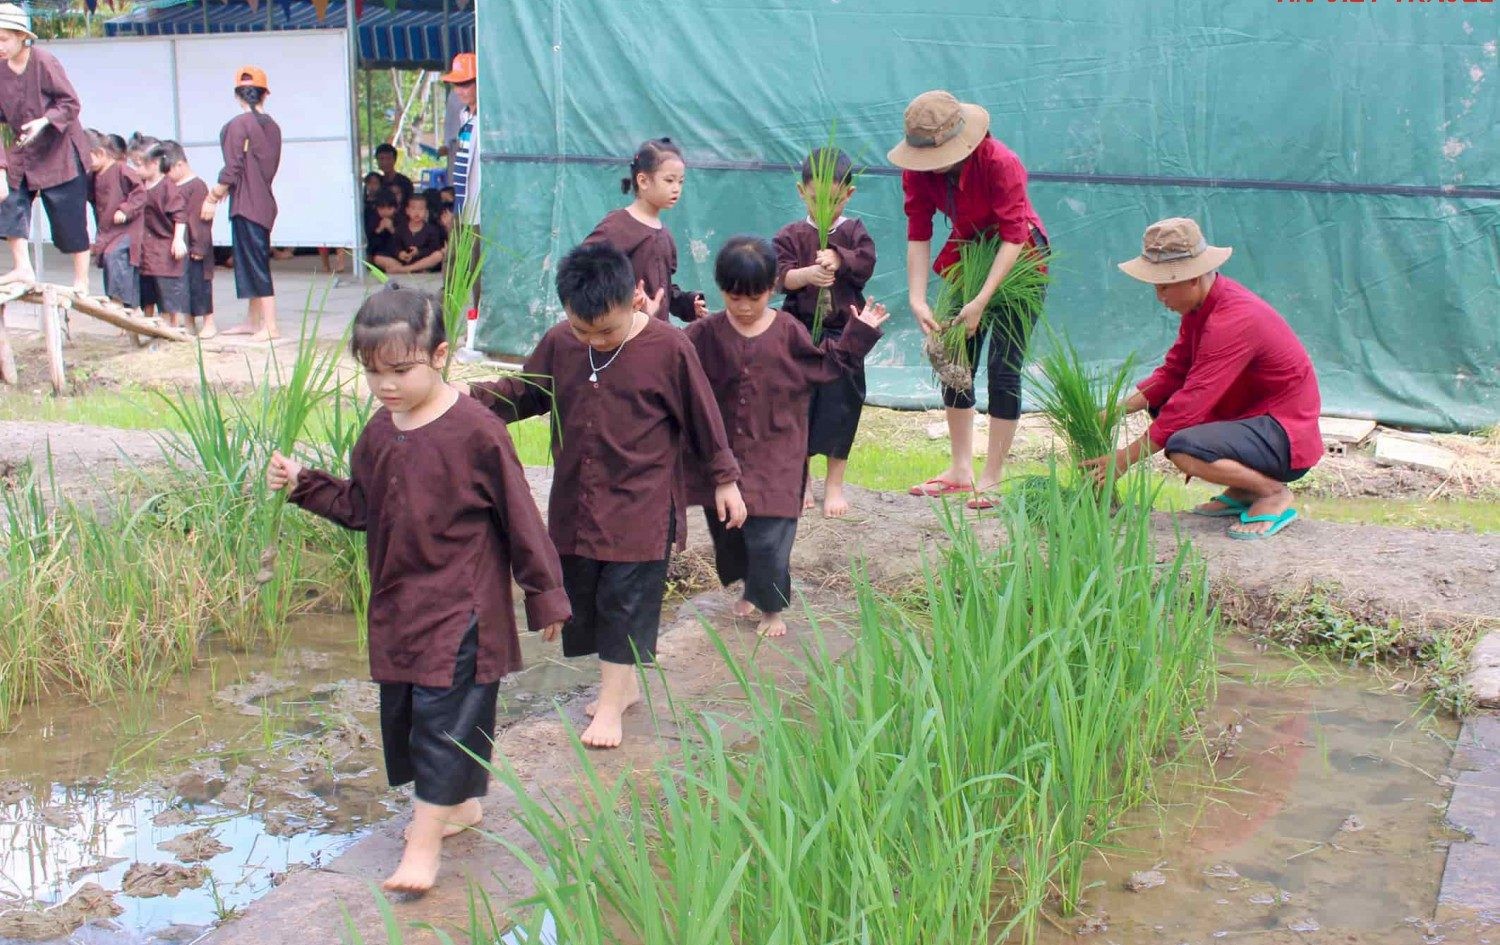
465, 69
251, 77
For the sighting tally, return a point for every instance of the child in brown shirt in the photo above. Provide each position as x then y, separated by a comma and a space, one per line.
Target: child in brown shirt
418, 244
49, 153
628, 396
802, 270
764, 367
118, 197
437, 488
159, 240
198, 273
656, 177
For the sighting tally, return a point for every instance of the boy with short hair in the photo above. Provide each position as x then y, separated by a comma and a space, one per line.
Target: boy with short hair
118, 198
629, 397
381, 239
385, 159
419, 244
198, 273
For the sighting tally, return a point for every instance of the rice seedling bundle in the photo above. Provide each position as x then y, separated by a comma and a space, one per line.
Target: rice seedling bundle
1015, 306
934, 785
1085, 405
828, 191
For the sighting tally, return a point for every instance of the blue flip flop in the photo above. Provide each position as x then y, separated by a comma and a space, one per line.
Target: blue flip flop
1233, 507
1278, 523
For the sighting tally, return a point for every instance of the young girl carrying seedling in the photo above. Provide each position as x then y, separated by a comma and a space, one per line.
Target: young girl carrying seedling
763, 367
158, 244
449, 520
118, 198
804, 270
656, 178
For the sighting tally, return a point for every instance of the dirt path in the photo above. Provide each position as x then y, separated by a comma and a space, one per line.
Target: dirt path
1413, 573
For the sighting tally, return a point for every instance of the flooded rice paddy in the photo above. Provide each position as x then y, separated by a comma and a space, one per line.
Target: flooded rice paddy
150, 820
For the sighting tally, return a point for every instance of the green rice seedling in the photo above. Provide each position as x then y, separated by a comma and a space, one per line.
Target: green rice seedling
462, 267
1014, 308
1085, 405
827, 192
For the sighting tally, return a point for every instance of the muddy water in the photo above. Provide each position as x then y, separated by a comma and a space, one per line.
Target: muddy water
249, 768
1326, 824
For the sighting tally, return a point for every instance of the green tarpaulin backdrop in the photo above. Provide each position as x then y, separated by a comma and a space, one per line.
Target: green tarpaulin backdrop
1348, 151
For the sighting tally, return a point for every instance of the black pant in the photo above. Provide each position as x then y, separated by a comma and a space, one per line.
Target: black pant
426, 729
67, 212
251, 247
758, 553
1259, 443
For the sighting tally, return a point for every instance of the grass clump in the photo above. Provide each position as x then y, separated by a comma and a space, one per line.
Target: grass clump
1014, 308
938, 784
1086, 406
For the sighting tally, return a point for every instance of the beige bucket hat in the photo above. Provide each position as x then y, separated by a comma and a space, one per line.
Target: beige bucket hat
1174, 250
940, 131
14, 18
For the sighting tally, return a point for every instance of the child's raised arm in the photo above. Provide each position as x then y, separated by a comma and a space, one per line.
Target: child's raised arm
516, 398
341, 501
833, 358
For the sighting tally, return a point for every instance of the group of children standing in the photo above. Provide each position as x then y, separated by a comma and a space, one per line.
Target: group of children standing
647, 420
152, 241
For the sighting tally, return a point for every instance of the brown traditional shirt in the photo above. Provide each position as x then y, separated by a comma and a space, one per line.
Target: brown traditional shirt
251, 143
151, 242
42, 90
115, 188
424, 242
763, 386
200, 232
797, 247
653, 256
448, 520
617, 441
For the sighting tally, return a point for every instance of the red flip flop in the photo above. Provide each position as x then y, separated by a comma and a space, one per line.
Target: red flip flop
937, 486
981, 502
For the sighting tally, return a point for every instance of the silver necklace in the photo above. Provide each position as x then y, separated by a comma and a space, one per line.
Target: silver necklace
594, 369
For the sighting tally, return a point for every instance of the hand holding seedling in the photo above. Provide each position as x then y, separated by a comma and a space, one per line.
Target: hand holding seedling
817, 275
552, 631
729, 504
1101, 467
874, 314
30, 130
923, 313
828, 259
282, 473
971, 315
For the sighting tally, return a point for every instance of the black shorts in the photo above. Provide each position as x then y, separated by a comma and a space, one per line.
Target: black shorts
833, 413
1259, 443
122, 280
426, 729
616, 605
1009, 335
758, 553
168, 293
252, 259
67, 213
199, 280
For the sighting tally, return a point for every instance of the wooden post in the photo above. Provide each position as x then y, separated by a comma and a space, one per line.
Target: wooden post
52, 331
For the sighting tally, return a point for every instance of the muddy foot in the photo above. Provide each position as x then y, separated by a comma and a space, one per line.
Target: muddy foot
742, 608
835, 505
771, 625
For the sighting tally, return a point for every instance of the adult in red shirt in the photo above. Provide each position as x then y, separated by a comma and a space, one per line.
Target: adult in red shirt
952, 164
1236, 401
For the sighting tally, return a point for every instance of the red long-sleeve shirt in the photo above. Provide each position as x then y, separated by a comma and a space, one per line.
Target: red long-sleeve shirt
990, 198
1235, 358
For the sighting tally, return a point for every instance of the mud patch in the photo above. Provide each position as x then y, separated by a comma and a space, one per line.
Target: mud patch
195, 846
148, 880
91, 901
249, 697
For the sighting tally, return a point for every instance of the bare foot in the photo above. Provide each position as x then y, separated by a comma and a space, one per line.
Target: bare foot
771, 625
607, 730
834, 504
25, 276
244, 329
81, 290
807, 499
264, 335
592, 709
417, 871
742, 608
466, 815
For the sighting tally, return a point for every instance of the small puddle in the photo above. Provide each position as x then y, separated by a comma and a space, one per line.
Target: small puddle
151, 819
1327, 824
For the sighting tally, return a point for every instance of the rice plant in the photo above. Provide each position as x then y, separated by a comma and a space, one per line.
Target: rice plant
1085, 405
1015, 306
937, 784
463, 264
828, 193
